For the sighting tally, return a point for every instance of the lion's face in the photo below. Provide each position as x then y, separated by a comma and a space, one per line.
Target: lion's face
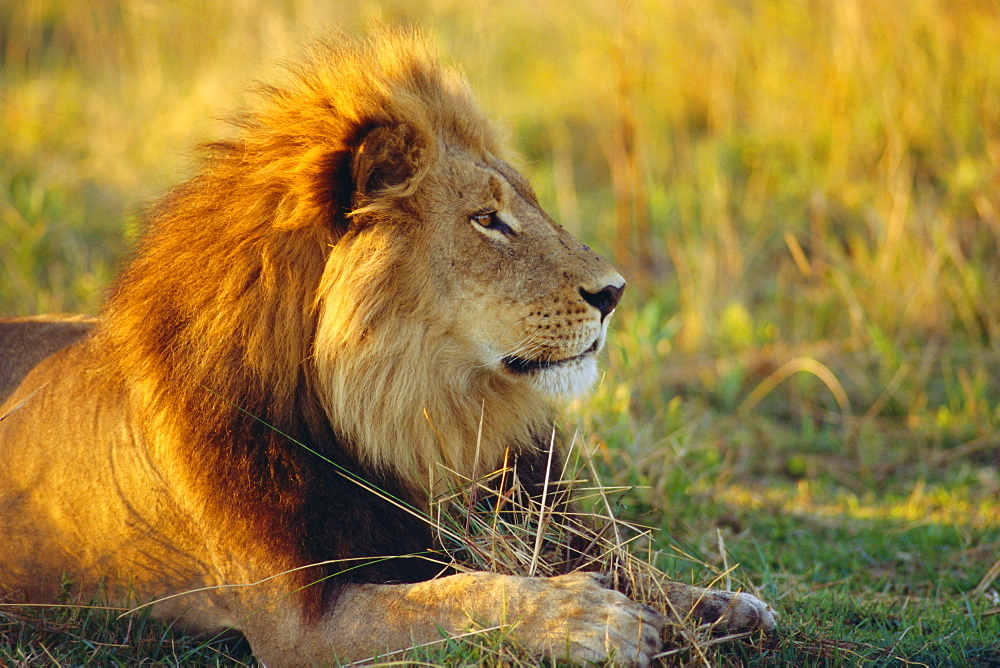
450, 308
523, 298
442, 305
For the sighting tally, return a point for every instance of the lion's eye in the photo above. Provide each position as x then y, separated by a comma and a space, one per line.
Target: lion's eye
491, 221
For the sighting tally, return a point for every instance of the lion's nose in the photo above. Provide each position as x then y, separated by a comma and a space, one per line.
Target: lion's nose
605, 299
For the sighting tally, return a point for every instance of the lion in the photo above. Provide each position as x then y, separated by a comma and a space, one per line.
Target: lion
355, 302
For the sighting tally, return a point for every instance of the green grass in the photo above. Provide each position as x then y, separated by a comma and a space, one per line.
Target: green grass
95, 635
803, 196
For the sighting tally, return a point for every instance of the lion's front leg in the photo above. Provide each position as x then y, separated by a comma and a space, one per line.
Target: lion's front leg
570, 617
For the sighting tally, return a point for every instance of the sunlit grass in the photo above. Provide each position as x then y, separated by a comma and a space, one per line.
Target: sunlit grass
953, 506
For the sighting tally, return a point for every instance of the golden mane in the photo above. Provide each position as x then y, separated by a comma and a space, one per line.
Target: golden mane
238, 333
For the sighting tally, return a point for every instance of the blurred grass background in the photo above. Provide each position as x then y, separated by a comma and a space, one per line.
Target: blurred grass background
803, 194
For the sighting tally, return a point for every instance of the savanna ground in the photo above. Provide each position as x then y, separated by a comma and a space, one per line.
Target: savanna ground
803, 389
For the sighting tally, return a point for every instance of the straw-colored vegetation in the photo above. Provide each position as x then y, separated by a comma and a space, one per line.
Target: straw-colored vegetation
805, 378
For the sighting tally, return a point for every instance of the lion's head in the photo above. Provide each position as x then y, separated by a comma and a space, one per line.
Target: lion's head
374, 261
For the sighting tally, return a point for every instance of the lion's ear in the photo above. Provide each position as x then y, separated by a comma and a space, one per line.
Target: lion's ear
389, 162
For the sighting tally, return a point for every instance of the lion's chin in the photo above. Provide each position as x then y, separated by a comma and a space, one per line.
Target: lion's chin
566, 378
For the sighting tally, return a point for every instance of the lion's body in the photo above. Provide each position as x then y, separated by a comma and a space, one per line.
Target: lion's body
88, 497
353, 303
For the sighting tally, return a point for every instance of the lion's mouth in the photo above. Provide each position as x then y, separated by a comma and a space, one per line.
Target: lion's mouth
524, 367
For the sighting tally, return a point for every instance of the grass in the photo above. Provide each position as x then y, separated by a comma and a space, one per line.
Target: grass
92, 635
806, 368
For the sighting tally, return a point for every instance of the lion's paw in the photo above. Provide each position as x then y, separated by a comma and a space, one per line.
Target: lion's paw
735, 611
577, 618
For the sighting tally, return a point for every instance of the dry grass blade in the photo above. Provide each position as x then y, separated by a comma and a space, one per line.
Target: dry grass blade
988, 579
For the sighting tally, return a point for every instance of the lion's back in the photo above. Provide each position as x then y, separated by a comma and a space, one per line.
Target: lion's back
24, 342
